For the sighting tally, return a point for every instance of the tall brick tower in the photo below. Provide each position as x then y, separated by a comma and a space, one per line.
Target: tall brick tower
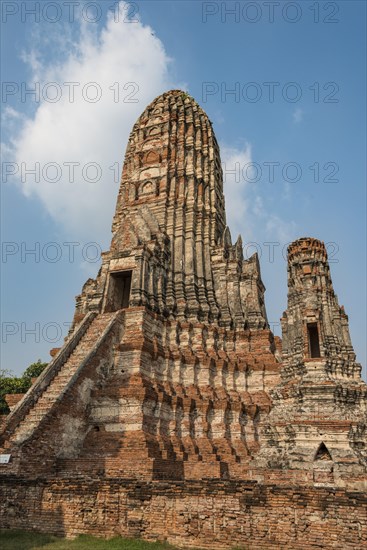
317, 427
168, 364
314, 326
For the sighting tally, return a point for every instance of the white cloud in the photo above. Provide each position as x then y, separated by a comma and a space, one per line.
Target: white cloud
88, 132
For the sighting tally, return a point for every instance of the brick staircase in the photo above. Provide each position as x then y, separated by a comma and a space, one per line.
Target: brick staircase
59, 376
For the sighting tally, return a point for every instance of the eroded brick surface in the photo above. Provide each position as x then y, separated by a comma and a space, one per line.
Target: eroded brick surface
172, 411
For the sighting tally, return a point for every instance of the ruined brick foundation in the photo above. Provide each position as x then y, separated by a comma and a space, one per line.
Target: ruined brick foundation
212, 514
172, 412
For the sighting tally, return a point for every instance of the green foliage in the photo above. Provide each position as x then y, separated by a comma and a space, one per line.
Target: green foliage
12, 384
34, 370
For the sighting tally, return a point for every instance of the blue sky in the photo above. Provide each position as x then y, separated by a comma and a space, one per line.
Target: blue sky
292, 136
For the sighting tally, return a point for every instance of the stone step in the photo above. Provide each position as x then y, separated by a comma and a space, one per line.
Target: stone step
48, 397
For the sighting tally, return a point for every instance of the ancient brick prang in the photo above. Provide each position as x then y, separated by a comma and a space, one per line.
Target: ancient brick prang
314, 324
171, 388
318, 421
183, 389
170, 228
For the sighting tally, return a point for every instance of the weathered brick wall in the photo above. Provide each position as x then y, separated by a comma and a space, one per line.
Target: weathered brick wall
213, 514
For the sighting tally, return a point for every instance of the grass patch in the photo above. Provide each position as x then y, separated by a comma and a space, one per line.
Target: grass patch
23, 540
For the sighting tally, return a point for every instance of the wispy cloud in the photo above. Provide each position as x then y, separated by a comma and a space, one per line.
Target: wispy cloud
235, 163
9, 114
245, 207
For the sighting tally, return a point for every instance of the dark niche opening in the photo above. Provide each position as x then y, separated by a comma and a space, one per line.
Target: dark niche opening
119, 290
313, 340
322, 453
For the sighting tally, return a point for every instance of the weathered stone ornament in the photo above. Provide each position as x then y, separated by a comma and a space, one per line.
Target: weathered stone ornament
172, 411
